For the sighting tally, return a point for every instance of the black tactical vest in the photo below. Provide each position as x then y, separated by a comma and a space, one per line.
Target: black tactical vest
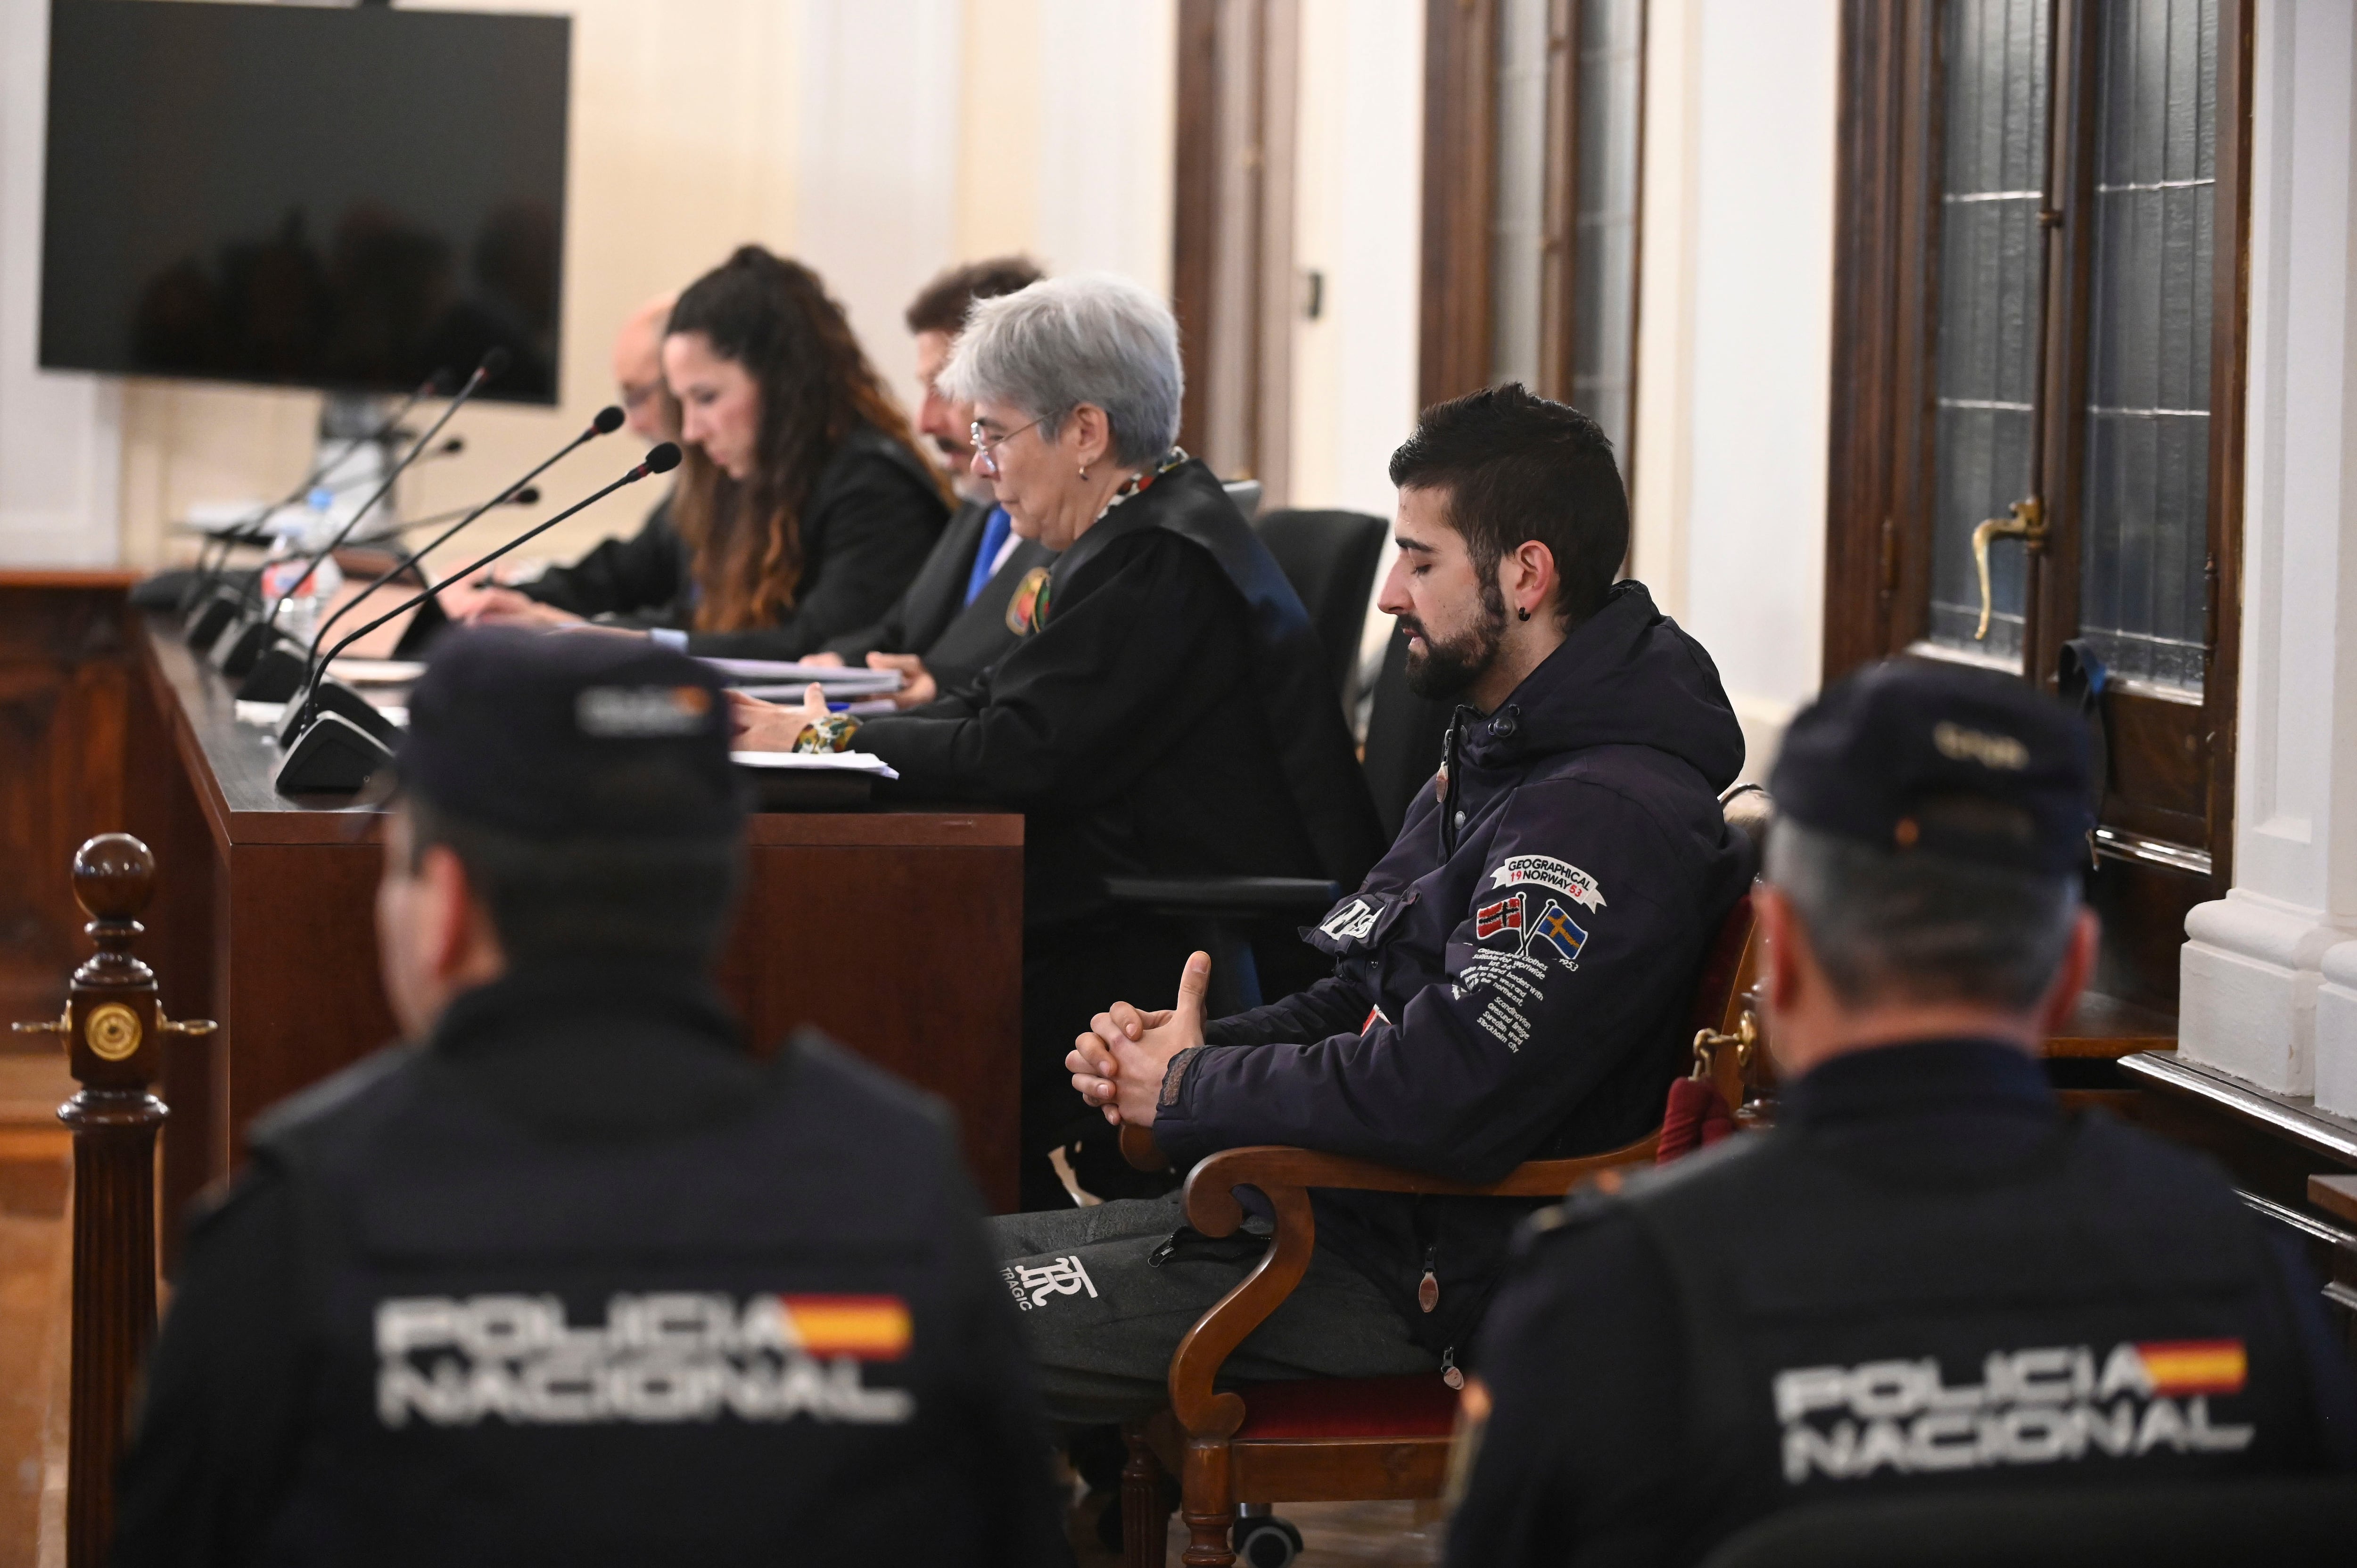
2102, 1310
732, 1345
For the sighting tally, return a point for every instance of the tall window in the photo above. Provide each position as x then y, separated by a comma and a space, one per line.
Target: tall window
2037, 361
1530, 142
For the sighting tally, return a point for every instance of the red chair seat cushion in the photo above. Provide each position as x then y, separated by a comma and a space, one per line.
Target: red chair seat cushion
1315, 1407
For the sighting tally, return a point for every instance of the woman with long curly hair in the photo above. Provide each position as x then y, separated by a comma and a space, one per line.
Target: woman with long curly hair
802, 507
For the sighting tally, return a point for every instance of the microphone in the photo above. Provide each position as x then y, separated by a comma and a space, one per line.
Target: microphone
263, 633
311, 671
336, 754
217, 614
528, 496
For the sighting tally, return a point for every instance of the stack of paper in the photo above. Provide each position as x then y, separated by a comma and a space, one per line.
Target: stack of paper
821, 761
775, 679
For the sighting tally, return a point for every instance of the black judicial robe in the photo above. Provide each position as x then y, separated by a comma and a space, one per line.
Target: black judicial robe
870, 523
1166, 710
956, 640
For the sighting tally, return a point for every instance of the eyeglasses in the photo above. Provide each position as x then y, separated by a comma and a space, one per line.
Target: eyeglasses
985, 444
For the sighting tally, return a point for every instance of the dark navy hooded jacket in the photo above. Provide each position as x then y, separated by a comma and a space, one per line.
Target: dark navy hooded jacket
1513, 979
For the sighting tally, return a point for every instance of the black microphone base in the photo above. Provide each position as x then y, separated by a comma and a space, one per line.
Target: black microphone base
335, 697
334, 756
276, 675
210, 620
234, 656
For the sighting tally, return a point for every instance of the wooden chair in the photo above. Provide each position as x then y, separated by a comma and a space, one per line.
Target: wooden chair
1353, 1439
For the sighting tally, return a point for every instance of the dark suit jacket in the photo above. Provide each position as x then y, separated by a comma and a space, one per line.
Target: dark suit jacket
870, 521
958, 640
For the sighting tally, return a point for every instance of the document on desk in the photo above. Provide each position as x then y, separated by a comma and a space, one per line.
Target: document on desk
816, 761
376, 671
759, 677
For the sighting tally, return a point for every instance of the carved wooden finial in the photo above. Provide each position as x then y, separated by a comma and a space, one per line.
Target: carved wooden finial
114, 877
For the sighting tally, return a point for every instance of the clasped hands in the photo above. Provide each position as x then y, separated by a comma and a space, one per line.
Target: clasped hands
1118, 1065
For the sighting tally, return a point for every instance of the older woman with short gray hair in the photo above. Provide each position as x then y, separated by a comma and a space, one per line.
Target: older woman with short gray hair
1075, 384
1165, 710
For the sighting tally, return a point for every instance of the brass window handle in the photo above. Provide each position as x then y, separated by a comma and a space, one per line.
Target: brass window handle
2028, 524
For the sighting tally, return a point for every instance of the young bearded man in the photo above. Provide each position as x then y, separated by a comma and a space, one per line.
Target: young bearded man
1511, 980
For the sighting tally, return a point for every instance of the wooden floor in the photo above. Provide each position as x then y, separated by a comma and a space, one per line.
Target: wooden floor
36, 1283
1333, 1535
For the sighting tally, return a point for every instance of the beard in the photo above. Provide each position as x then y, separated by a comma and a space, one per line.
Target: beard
1446, 668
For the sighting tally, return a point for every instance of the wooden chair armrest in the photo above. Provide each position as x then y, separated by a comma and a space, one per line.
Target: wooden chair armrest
1139, 1151
1285, 1176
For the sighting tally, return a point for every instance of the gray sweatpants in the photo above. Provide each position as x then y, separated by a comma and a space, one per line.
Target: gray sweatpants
1103, 1322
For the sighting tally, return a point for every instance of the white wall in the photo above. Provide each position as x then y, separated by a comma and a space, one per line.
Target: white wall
1358, 209
877, 167
1735, 340
60, 439
2268, 980
1107, 81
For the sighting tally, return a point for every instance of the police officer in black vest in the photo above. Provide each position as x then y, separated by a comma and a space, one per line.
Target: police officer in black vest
1928, 1275
575, 1278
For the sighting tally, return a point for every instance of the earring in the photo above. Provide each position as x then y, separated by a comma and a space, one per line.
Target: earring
1084, 470
1522, 614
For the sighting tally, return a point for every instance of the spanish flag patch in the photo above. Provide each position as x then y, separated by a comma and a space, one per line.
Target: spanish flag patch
2194, 1366
864, 1327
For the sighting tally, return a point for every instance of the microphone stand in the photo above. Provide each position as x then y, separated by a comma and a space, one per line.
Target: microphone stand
205, 625
334, 753
271, 673
268, 670
314, 684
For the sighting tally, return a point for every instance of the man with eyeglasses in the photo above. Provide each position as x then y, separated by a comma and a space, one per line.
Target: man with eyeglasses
952, 622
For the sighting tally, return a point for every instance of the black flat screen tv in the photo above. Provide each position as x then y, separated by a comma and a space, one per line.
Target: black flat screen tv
302, 195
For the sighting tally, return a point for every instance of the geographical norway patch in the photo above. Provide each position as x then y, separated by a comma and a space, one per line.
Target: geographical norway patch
1546, 871
1032, 1287
2045, 1406
1514, 973
667, 1357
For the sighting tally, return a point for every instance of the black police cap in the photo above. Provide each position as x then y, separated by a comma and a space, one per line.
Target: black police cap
571, 734
1899, 756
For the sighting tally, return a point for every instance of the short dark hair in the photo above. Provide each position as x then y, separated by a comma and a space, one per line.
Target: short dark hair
1909, 926
942, 305
1516, 467
660, 900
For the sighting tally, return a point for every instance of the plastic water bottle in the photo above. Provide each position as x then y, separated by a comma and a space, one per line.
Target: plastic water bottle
283, 575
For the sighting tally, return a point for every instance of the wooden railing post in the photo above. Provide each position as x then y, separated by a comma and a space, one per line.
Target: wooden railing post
113, 1032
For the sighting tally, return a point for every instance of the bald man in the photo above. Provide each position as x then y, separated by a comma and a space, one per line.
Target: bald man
613, 575
638, 369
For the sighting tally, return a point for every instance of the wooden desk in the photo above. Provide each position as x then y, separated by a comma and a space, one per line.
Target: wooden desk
899, 932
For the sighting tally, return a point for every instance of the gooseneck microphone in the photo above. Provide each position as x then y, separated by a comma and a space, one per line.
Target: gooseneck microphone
494, 362
528, 496
314, 669
247, 530
334, 753
263, 635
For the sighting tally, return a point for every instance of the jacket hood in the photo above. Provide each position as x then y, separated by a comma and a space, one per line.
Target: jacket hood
1628, 676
